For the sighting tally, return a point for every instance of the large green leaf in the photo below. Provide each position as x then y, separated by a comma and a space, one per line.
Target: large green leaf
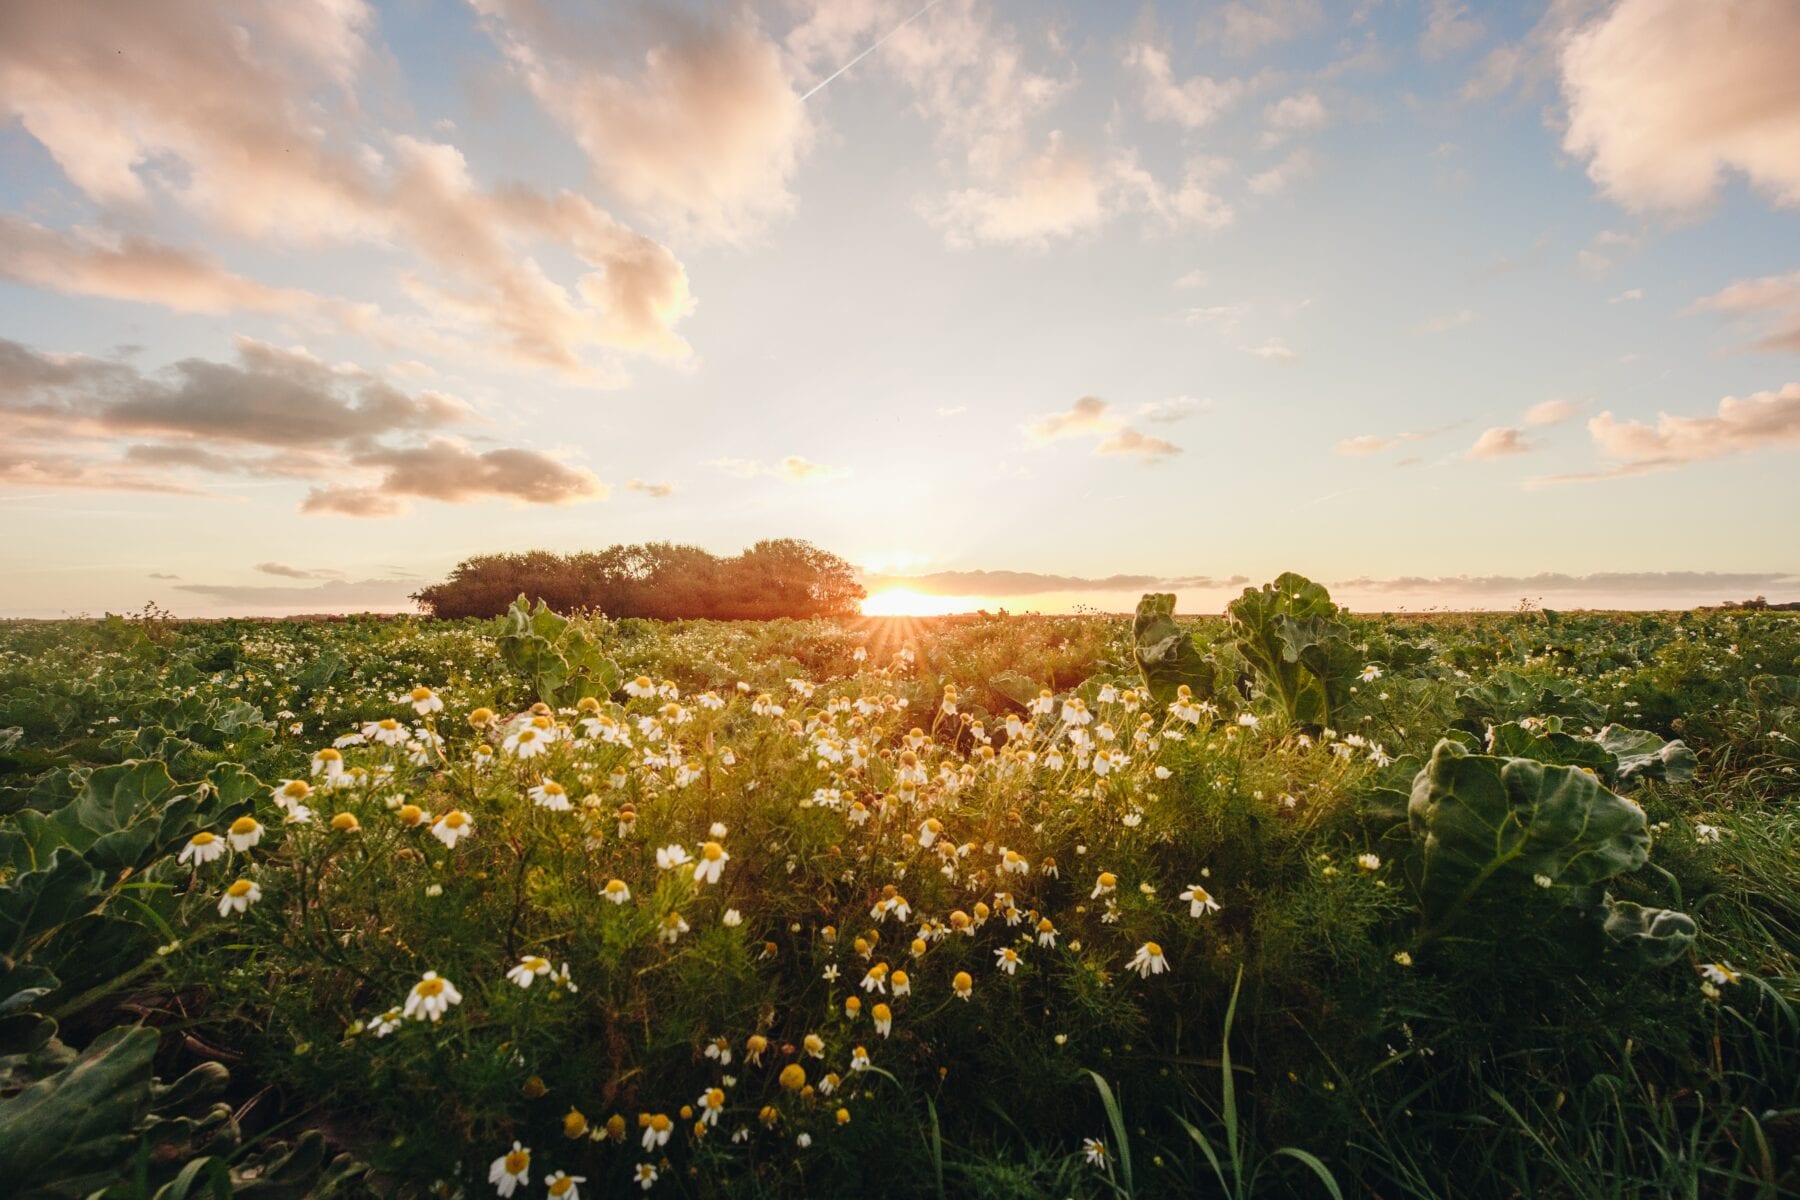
1289, 633
1653, 937
71, 1133
1478, 819
38, 901
1548, 745
1643, 755
1166, 655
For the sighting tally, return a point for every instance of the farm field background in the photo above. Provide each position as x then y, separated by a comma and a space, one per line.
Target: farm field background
1287, 903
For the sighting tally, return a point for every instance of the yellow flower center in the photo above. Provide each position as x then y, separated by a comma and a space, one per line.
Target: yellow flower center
615, 886
388, 724
204, 839
560, 1187
542, 722
534, 964
345, 822
481, 716
517, 1161
1152, 949
421, 693
552, 788
793, 1077
297, 789
455, 819
430, 987
410, 814
661, 1123
712, 852
328, 755
715, 1098
243, 825
1108, 879
239, 889
963, 981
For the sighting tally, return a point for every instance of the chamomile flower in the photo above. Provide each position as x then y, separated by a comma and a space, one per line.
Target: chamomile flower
754, 1045
202, 848
712, 861
510, 1170
1370, 673
1046, 933
1200, 901
239, 897
385, 1023
1104, 884
876, 979
1148, 960
645, 1175
671, 929
963, 984
884, 1019
431, 998
528, 742
387, 731
657, 1127
641, 688
328, 762
528, 969
452, 827
1718, 972
1093, 1150
551, 795
1369, 862
672, 856
719, 1050
562, 1187
901, 983
859, 1059
425, 701
711, 1105
291, 792
793, 1077
1007, 959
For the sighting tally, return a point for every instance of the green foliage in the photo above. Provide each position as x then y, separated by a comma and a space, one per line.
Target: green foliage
559, 658
1165, 654
1649, 936
1289, 633
71, 1133
1639, 755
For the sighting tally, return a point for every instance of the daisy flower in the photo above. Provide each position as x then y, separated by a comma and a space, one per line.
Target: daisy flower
859, 1059
1007, 959
670, 857
884, 1019
963, 984
902, 984
711, 1105
712, 860
510, 1170
617, 891
645, 1175
244, 833
1718, 972
425, 701
1148, 960
1200, 901
528, 742
562, 1186
239, 897
673, 927
1104, 884
551, 795
528, 969
431, 998
328, 762
1094, 1151
201, 849
385, 1023
452, 827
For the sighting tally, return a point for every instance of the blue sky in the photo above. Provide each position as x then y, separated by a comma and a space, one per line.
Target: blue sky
1392, 294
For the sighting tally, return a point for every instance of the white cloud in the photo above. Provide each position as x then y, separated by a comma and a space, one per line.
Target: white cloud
1247, 25
792, 469
1282, 175
1550, 412
1192, 102
1087, 416
1296, 113
1666, 96
1499, 442
1273, 350
1446, 322
1175, 408
1137, 445
1449, 29
1761, 421
1772, 299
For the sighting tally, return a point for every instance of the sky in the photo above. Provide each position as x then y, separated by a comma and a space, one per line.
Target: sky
1025, 305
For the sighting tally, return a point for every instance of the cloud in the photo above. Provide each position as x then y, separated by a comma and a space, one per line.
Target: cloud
1026, 583
1499, 442
163, 575
1191, 279
688, 117
1131, 442
1446, 322
657, 490
1761, 421
1282, 175
793, 469
1295, 114
1175, 408
287, 572
1247, 25
1665, 96
149, 106
1773, 298
1448, 29
1364, 443
277, 413
1622, 584
1550, 412
1626, 296
1055, 194
336, 595
1191, 102
1087, 416
1273, 350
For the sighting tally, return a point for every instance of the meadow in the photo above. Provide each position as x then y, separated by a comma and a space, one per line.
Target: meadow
1289, 902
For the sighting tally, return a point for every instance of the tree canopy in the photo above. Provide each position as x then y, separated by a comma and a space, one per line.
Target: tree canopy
781, 577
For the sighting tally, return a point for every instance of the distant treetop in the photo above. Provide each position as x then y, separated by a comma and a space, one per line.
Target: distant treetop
775, 578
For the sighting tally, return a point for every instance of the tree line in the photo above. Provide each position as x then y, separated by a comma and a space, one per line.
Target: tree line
782, 577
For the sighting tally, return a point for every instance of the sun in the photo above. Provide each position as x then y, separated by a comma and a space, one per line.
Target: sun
904, 602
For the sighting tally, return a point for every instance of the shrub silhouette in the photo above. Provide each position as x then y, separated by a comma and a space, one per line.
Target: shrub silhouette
781, 577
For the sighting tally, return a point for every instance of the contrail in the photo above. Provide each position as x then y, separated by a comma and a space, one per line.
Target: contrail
872, 49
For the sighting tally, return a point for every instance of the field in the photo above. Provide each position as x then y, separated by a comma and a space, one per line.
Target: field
1287, 903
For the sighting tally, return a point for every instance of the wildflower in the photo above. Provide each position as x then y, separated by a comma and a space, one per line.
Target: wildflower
852, 1007
963, 984
1012, 862
1369, 862
719, 1050
803, 1141
830, 1083
425, 701
876, 979
1046, 933
385, 1023
410, 815
1007, 959
645, 1176
551, 795
202, 848
244, 833
884, 1019
793, 1077
1248, 720
452, 827
617, 891
672, 928
1148, 960
387, 731
1706, 833
1370, 673
814, 1045
1718, 972
1104, 884
843, 1116
928, 832
291, 792
670, 857
481, 717
1543, 881
562, 1187
829, 975
712, 860
510, 1170
1200, 901
657, 1128
641, 688
1094, 1151
732, 918
1403, 958
902, 984
346, 822
754, 1045
328, 762
859, 1059
574, 1124
431, 998
528, 969
528, 742
239, 897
